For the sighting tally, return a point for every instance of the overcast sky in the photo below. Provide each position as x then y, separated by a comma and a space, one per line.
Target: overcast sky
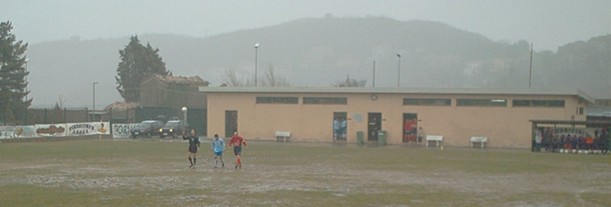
546, 23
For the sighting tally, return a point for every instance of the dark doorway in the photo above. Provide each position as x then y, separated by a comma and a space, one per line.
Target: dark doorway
374, 121
231, 123
410, 127
340, 126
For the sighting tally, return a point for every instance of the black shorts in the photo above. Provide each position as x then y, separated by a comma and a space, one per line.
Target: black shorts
237, 150
193, 149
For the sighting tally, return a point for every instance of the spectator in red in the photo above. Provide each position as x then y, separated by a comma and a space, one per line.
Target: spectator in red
589, 143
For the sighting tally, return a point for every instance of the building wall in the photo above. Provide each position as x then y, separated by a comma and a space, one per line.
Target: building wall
504, 126
152, 93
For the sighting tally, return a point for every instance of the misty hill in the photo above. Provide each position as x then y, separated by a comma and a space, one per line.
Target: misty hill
323, 51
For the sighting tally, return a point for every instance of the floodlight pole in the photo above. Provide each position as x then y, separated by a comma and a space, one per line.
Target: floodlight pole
399, 70
530, 76
26, 78
93, 105
374, 74
25, 115
256, 61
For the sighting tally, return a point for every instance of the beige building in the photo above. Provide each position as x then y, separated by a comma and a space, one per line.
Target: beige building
402, 114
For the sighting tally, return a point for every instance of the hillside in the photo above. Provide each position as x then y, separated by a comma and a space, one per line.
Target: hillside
322, 51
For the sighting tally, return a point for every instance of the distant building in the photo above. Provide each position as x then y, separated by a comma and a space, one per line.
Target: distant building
163, 98
456, 114
600, 110
173, 92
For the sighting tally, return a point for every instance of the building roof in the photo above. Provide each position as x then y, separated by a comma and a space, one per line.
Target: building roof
121, 105
187, 80
392, 90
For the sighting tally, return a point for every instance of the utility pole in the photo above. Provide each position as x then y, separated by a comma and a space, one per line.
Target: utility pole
531, 66
399, 71
256, 61
374, 74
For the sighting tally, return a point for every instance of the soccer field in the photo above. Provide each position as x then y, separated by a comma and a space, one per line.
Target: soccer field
151, 172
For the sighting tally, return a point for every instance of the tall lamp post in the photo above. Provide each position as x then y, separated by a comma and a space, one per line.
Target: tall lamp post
93, 108
256, 61
530, 76
26, 78
374, 74
25, 115
399, 70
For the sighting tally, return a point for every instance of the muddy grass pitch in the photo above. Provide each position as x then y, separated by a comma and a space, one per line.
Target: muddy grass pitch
154, 172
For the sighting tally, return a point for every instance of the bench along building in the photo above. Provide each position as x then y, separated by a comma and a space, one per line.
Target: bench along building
402, 115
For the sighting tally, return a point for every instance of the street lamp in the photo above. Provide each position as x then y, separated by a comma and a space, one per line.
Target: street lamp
93, 108
25, 115
256, 62
184, 113
530, 76
399, 71
374, 74
26, 78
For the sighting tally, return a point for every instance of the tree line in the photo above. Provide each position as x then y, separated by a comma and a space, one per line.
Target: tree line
138, 63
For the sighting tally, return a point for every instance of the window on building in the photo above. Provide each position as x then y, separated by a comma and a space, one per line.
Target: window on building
481, 102
325, 100
603, 102
427, 101
277, 100
538, 103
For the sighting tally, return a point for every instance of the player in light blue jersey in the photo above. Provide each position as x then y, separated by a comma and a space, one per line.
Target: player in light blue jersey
218, 146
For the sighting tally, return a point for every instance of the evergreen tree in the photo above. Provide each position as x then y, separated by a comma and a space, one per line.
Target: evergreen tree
13, 85
138, 63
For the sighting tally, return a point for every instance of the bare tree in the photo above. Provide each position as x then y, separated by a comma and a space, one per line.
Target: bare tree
273, 80
61, 101
59, 110
350, 83
231, 79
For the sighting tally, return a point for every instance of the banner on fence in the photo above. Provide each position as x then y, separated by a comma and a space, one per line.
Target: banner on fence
66, 129
122, 130
7, 132
87, 128
11, 132
50, 130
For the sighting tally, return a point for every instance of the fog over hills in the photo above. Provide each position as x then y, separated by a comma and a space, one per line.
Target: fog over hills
323, 51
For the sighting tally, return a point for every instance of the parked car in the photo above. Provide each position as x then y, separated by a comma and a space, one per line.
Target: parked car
147, 128
173, 128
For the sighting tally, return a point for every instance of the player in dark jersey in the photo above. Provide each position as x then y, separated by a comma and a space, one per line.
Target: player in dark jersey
237, 142
193, 146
